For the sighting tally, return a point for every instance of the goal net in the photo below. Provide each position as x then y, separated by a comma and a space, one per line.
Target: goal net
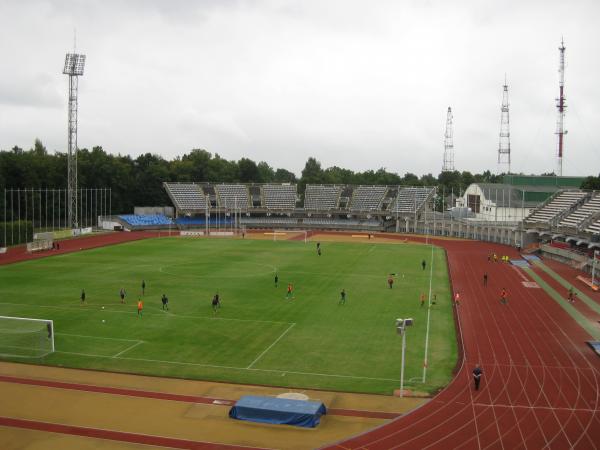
26, 338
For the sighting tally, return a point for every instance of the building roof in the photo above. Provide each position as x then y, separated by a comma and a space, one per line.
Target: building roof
505, 195
543, 181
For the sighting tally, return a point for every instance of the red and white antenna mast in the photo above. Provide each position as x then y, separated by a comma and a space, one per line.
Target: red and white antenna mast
560, 106
504, 141
448, 144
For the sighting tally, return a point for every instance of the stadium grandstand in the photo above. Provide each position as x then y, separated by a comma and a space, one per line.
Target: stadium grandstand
367, 198
322, 197
232, 196
522, 211
279, 196
594, 227
411, 199
579, 217
188, 198
279, 205
559, 205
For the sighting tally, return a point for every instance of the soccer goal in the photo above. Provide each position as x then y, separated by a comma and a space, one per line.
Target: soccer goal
286, 234
21, 337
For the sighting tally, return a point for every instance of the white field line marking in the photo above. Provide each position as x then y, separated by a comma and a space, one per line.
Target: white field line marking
97, 337
131, 347
215, 366
183, 316
270, 346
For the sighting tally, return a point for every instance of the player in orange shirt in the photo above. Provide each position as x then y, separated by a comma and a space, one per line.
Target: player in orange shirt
503, 297
140, 306
290, 291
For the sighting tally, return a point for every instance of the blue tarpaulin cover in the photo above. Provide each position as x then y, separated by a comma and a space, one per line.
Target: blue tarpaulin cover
301, 413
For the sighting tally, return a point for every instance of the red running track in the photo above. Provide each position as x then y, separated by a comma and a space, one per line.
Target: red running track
16, 254
541, 382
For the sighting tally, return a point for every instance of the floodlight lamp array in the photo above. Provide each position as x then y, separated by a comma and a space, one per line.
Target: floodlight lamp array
74, 64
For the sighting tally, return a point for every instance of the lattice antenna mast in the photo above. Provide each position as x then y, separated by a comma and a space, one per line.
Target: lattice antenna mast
504, 142
561, 106
74, 64
448, 144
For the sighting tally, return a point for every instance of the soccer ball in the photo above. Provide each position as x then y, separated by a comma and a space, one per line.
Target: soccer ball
103, 320
103, 307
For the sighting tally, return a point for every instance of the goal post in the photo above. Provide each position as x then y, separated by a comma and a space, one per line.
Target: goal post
283, 234
22, 337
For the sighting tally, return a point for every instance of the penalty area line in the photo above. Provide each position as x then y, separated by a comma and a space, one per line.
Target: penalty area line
131, 347
97, 337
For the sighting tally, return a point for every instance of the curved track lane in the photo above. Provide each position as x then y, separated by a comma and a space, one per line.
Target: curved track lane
541, 382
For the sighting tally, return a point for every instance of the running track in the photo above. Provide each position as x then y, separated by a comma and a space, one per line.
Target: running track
541, 383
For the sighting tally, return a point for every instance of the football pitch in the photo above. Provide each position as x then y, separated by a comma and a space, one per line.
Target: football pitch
258, 336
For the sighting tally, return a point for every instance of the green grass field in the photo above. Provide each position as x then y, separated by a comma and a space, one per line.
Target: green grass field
257, 336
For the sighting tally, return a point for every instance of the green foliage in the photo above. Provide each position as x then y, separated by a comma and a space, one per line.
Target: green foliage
138, 182
591, 183
17, 232
257, 336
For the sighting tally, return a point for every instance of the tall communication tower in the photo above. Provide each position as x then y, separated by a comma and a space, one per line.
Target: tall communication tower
560, 106
74, 64
504, 142
448, 144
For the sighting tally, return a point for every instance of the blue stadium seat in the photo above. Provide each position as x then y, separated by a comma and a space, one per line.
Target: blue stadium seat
146, 219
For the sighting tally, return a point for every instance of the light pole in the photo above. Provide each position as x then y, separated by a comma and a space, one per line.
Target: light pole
594, 268
401, 325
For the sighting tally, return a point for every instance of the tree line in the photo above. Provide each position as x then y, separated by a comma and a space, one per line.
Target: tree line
138, 181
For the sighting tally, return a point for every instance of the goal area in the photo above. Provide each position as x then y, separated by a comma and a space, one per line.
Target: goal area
21, 337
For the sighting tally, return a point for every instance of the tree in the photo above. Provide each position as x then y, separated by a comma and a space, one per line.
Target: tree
266, 174
410, 179
248, 171
451, 181
284, 176
591, 183
428, 180
38, 148
312, 173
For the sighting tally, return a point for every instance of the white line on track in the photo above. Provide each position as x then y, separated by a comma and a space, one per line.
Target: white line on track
553, 408
131, 347
523, 277
270, 346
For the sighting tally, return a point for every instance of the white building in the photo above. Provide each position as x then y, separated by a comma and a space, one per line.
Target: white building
503, 202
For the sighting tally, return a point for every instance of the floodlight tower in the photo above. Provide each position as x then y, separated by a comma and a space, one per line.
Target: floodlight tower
448, 144
504, 143
74, 64
560, 106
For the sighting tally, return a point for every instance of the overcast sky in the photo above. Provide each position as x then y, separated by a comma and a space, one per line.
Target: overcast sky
358, 84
